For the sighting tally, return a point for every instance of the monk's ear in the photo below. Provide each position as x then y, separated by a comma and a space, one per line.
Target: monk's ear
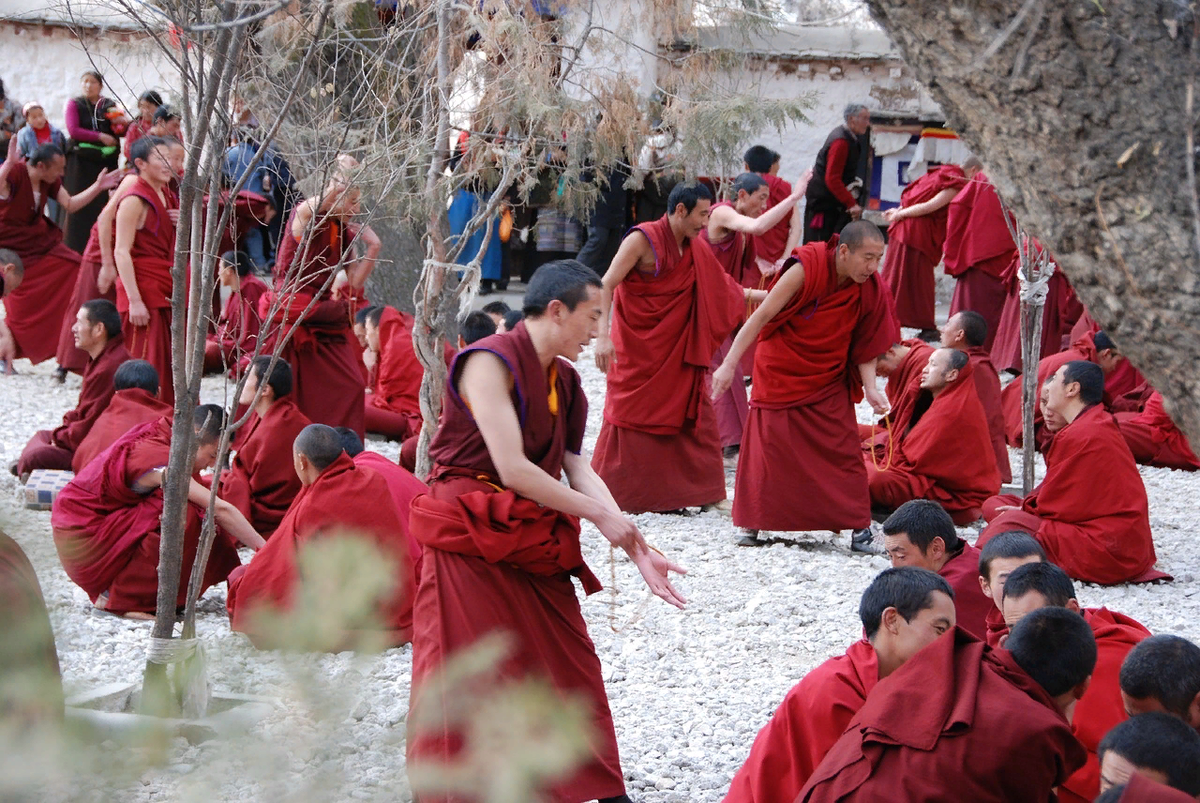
985, 586
891, 620
1082, 688
1073, 605
937, 547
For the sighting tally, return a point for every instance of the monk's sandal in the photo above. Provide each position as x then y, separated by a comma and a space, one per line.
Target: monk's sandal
864, 541
751, 539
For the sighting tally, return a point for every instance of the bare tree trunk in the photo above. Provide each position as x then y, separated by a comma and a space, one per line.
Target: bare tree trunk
1031, 352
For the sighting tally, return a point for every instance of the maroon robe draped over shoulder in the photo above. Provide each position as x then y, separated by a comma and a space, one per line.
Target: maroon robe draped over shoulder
261, 481
405, 488
977, 251
971, 605
902, 389
396, 395
987, 385
128, 409
1154, 438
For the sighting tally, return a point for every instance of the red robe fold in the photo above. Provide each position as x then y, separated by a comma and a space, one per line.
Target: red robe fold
34, 311
405, 488
984, 731
971, 605
658, 447
914, 248
232, 344
128, 409
987, 385
903, 388
261, 481
1062, 309
344, 500
811, 718
87, 287
1154, 439
1141, 789
771, 244
398, 373
107, 534
800, 466
30, 679
1094, 524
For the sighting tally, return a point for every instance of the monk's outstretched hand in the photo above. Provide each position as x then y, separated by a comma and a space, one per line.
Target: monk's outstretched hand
655, 568
877, 400
722, 380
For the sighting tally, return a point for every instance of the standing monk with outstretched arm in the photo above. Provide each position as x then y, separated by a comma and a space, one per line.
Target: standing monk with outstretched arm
501, 531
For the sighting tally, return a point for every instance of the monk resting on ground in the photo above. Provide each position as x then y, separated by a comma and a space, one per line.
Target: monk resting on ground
960, 721
1150, 433
1040, 585
393, 403
1094, 524
1157, 746
12, 273
261, 481
106, 521
920, 533
967, 331
1000, 556
135, 401
1162, 673
338, 498
902, 610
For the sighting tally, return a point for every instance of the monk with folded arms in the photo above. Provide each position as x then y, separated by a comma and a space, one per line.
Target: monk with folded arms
824, 323
1163, 674
98, 332
106, 521
1093, 523
261, 481
501, 531
998, 558
1156, 746
338, 498
920, 533
961, 721
902, 611
942, 452
1040, 585
967, 331
135, 401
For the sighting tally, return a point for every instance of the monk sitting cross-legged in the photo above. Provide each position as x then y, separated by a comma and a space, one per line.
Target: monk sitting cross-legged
920, 533
232, 344
261, 481
1157, 746
998, 558
135, 401
1093, 523
961, 721
942, 452
106, 521
967, 331
902, 610
1040, 585
1162, 673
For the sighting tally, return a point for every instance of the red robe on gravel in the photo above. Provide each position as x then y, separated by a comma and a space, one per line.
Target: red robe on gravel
958, 721
107, 534
55, 448
971, 606
232, 344
987, 385
497, 562
658, 448
977, 251
914, 248
87, 287
393, 408
405, 488
35, 310
128, 409
261, 481
1090, 513
1154, 438
811, 718
801, 465
30, 679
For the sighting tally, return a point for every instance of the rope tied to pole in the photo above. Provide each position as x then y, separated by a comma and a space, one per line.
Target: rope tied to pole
1034, 291
167, 651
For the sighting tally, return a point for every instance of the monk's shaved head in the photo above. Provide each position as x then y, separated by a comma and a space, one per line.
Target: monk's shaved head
1090, 378
102, 311
476, 326
360, 317
923, 520
907, 589
136, 374
972, 163
350, 440
12, 269
375, 315
278, 377
1046, 579
209, 421
1164, 671
319, 444
1056, 648
858, 233
974, 327
1155, 744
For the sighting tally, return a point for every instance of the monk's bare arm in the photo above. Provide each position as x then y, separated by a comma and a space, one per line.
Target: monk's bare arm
583, 478
131, 215
935, 203
228, 517
73, 203
634, 249
12, 157
790, 283
104, 234
794, 231
358, 271
877, 400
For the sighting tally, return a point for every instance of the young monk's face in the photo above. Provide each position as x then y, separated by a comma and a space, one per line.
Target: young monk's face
937, 372
577, 328
156, 167
177, 156
206, 456
249, 388
360, 332
1000, 569
753, 204
1017, 608
925, 626
951, 333
36, 118
859, 264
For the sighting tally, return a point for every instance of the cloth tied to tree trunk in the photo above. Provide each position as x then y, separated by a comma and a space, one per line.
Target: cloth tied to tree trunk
1035, 291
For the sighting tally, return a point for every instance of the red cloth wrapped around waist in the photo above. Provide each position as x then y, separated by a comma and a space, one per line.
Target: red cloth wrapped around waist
479, 519
329, 316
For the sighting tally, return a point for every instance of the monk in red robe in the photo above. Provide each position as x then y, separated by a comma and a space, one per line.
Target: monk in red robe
30, 681
902, 365
1156, 746
1094, 524
106, 520
902, 611
12, 273
668, 305
337, 498
1041, 585
35, 308
776, 242
978, 248
144, 253
393, 405
134, 402
261, 481
98, 333
967, 331
920, 533
960, 721
501, 531
916, 232
1162, 673
1000, 557
1060, 311
233, 342
1152, 435
943, 451
825, 322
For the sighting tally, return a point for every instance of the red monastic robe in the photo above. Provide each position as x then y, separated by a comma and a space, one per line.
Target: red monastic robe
914, 248
153, 254
30, 679
977, 250
971, 605
34, 311
811, 718
984, 731
232, 344
987, 385
903, 388
658, 448
771, 244
405, 488
87, 287
801, 464
344, 499
107, 534
261, 481
393, 408
55, 448
497, 562
1062, 309
128, 409
1141, 789
1153, 437
1095, 524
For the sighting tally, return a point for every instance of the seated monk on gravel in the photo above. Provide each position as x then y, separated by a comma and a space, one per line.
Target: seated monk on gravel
393, 401
1000, 556
1162, 674
1150, 433
135, 401
233, 341
920, 533
967, 331
943, 451
12, 273
1090, 513
902, 365
961, 721
338, 499
106, 521
1042, 585
97, 331
901, 611
1158, 746
261, 481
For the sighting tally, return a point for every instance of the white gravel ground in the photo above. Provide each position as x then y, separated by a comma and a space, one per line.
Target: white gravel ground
689, 690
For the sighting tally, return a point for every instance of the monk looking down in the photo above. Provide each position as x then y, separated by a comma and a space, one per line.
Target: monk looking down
902, 610
902, 366
135, 401
393, 405
998, 559
1162, 673
232, 344
967, 331
1156, 746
